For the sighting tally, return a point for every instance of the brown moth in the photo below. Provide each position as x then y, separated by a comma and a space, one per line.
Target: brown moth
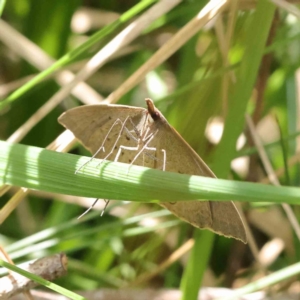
140, 136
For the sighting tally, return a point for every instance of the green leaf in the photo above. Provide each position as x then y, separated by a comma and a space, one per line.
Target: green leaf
45, 170
246, 75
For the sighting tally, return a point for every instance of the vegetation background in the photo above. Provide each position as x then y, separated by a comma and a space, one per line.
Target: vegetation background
207, 65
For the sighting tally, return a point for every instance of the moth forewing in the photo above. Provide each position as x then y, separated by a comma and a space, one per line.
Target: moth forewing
145, 138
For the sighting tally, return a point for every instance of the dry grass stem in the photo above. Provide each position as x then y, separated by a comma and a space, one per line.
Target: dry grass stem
271, 174
289, 7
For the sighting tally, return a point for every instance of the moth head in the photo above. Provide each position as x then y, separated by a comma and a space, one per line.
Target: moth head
152, 110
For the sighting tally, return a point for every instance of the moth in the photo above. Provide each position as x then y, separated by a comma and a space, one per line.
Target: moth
143, 136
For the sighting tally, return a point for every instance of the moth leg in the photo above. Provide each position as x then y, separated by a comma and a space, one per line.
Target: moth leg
145, 147
137, 139
130, 136
165, 159
135, 130
103, 210
147, 140
164, 165
126, 148
150, 155
106, 203
88, 209
117, 140
102, 145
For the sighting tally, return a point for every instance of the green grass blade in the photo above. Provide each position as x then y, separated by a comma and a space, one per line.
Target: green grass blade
197, 264
59, 230
45, 170
246, 74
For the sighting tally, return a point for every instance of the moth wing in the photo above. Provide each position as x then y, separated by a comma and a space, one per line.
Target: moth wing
220, 217
93, 124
